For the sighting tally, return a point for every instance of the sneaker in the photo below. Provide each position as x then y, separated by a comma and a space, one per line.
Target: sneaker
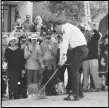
30, 96
85, 90
91, 90
5, 95
68, 98
97, 90
33, 95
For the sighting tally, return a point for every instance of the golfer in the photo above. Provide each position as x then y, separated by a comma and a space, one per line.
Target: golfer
73, 37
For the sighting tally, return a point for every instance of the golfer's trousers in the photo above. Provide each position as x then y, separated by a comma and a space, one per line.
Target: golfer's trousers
75, 58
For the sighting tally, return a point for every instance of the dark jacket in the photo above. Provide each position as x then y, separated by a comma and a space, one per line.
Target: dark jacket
15, 59
93, 46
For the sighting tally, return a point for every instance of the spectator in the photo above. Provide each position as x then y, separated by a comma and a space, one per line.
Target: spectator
32, 55
92, 60
49, 50
4, 44
39, 27
23, 74
103, 61
13, 56
28, 24
88, 34
4, 71
17, 27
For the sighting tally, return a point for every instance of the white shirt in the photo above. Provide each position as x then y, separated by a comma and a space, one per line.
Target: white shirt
71, 36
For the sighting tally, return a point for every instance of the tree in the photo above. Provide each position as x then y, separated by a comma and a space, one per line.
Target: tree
75, 9
71, 9
98, 7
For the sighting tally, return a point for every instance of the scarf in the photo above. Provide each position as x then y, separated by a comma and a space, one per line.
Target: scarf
13, 48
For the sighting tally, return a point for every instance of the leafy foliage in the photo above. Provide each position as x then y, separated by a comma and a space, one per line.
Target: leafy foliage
75, 9
72, 10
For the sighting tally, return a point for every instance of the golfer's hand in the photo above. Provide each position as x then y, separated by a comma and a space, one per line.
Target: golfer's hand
62, 61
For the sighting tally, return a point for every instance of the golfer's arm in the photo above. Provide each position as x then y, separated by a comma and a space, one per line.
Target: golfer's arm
64, 44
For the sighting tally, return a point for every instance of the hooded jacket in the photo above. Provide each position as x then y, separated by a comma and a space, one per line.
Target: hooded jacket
33, 57
49, 51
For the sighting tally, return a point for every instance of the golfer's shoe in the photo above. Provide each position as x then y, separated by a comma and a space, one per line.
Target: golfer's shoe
72, 98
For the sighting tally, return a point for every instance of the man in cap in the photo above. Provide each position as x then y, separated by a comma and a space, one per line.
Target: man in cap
73, 37
91, 62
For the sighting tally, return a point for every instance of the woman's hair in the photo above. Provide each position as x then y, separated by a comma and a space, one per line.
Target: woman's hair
20, 38
38, 17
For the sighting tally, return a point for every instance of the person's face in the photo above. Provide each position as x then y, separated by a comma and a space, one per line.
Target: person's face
94, 26
37, 20
59, 39
58, 29
18, 21
28, 18
34, 41
13, 42
89, 32
23, 41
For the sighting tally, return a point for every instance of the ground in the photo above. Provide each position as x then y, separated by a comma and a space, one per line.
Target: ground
91, 99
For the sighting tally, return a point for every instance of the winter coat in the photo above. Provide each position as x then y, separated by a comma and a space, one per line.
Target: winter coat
49, 53
33, 57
